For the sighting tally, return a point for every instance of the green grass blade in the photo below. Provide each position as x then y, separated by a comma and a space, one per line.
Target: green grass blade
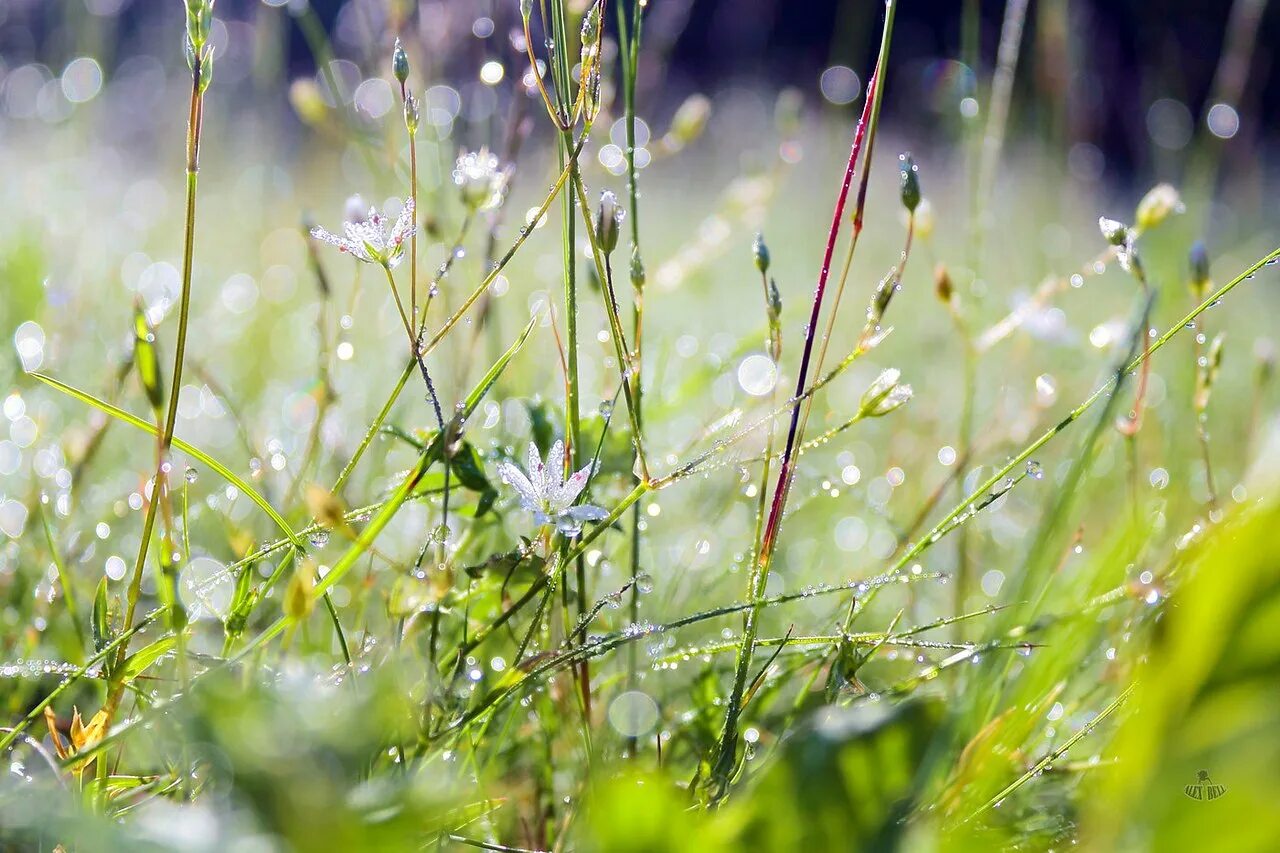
192, 451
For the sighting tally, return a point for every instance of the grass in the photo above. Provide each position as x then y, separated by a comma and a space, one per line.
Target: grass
983, 560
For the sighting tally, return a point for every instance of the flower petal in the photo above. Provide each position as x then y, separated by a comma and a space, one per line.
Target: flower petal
537, 471
586, 512
555, 466
516, 479
566, 493
405, 225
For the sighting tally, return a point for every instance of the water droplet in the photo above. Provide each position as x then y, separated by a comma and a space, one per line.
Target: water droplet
1034, 470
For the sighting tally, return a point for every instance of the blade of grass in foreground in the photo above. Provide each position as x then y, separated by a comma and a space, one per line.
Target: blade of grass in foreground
344, 564
189, 449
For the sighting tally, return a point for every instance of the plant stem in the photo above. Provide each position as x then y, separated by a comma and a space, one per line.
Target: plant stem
159, 484
726, 750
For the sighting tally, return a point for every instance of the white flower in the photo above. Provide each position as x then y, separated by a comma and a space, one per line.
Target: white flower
482, 179
369, 240
545, 493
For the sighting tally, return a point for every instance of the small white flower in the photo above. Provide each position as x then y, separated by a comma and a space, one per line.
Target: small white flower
545, 493
482, 179
369, 240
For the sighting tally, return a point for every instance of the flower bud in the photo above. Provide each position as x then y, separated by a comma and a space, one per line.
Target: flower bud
942, 285
761, 253
1155, 207
298, 598
526, 8
775, 302
910, 182
689, 121
1114, 232
637, 269
924, 219
590, 34
145, 357
355, 210
1199, 263
411, 113
884, 395
609, 218
307, 102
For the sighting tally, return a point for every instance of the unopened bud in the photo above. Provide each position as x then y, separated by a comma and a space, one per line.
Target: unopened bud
355, 210
1264, 350
609, 218
775, 301
298, 599
1199, 264
884, 395
400, 64
526, 8
1155, 207
924, 219
1113, 231
942, 285
909, 182
307, 102
411, 113
591, 28
761, 253
690, 120
145, 357
637, 269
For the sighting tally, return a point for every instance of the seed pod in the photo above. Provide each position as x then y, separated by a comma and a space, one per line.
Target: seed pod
909, 181
761, 253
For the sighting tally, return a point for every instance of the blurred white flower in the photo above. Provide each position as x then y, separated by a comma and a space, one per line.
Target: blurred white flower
482, 179
544, 492
369, 240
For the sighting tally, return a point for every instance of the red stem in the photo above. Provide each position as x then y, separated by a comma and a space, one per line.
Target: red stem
784, 471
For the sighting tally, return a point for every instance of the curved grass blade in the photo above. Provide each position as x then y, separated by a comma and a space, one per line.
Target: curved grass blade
194, 452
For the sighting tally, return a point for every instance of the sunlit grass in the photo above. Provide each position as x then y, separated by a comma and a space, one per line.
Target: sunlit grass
989, 609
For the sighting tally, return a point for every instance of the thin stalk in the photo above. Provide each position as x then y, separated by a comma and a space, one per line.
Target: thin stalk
159, 482
620, 349
727, 748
